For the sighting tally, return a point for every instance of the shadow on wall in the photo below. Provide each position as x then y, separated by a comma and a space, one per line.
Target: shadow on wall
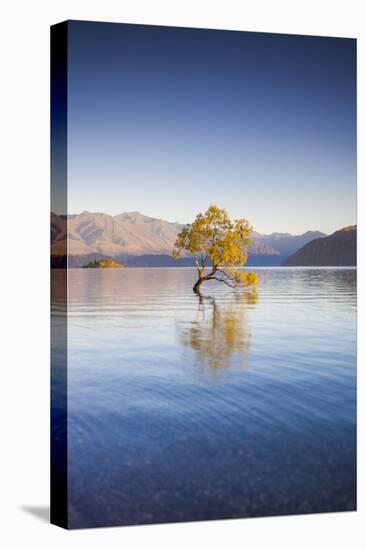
40, 512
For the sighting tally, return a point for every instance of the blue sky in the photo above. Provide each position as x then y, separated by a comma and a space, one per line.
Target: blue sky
167, 121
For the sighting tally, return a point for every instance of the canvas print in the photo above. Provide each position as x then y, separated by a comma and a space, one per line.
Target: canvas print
203, 254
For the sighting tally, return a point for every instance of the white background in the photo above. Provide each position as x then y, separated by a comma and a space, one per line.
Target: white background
24, 290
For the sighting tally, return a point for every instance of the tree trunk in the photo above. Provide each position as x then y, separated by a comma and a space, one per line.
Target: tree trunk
197, 285
203, 277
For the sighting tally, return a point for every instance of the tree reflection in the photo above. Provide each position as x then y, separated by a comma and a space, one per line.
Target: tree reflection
220, 329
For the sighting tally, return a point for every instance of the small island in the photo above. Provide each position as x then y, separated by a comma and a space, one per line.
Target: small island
109, 262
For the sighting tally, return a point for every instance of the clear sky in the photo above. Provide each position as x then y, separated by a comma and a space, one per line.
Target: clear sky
167, 121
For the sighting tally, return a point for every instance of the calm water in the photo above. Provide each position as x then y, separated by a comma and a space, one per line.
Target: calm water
231, 405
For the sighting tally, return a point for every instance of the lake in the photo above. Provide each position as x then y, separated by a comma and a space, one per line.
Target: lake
230, 405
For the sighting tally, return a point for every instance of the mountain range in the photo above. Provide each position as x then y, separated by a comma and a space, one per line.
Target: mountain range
139, 240
338, 249
130, 233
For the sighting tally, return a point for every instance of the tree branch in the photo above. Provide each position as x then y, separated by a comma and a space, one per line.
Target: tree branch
197, 265
226, 274
223, 281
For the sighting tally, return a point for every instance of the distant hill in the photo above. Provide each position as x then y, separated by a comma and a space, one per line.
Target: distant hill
158, 260
146, 241
285, 244
338, 249
97, 233
164, 260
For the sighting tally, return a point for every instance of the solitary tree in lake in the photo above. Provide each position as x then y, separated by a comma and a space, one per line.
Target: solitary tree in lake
219, 246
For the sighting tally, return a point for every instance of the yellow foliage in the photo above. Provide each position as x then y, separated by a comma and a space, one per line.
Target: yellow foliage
214, 238
247, 279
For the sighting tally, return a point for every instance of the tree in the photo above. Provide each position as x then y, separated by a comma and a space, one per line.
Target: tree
219, 246
109, 262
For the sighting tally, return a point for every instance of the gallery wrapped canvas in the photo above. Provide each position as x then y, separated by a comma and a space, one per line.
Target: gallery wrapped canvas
203, 274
